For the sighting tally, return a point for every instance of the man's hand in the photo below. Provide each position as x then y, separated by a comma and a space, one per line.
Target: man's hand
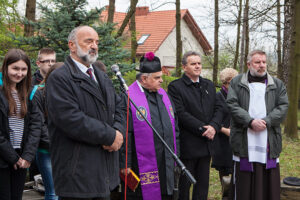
210, 132
258, 125
24, 164
226, 131
18, 163
123, 171
116, 145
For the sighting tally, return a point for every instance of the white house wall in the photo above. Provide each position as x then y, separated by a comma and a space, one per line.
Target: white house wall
167, 50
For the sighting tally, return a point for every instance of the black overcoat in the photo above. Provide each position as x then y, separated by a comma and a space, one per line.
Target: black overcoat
197, 106
83, 116
222, 159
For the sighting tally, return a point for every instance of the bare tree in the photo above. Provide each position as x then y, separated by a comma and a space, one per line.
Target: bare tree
291, 125
111, 11
246, 23
241, 68
216, 49
134, 44
287, 39
178, 39
236, 56
127, 17
30, 15
279, 46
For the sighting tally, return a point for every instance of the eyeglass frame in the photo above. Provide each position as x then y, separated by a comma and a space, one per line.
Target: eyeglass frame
47, 61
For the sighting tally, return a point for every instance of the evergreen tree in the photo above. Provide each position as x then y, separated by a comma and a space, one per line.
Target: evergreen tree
57, 21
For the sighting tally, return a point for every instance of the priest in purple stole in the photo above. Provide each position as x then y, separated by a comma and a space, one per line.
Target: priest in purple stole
258, 104
147, 155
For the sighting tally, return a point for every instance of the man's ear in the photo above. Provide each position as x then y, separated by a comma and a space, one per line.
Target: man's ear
248, 65
72, 46
38, 63
143, 78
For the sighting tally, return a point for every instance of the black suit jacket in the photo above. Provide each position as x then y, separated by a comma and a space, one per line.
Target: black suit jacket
196, 106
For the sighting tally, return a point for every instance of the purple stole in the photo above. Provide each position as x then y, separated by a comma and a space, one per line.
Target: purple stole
144, 141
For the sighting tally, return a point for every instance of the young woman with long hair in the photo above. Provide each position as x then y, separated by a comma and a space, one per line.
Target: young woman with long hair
19, 124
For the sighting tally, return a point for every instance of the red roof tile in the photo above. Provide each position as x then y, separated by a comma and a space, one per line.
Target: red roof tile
159, 25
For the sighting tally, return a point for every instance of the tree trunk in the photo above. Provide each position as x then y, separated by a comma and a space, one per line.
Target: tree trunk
30, 15
178, 39
287, 35
236, 56
127, 17
134, 45
241, 67
279, 46
216, 50
111, 11
291, 127
246, 21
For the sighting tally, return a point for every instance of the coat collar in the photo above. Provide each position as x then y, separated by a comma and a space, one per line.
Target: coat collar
270, 81
189, 82
97, 90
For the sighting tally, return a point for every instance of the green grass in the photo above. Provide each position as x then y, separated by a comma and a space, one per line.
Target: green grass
289, 166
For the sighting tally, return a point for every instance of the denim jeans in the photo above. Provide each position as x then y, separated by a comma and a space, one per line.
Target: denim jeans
44, 164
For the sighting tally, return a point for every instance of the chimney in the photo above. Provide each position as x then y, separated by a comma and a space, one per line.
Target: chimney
141, 11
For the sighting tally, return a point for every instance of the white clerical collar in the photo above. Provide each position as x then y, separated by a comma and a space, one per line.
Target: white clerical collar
140, 86
197, 81
82, 67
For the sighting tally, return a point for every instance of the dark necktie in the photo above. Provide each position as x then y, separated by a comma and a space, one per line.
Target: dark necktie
196, 84
89, 72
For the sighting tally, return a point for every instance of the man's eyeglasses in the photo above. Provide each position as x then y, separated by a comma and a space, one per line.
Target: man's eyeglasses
47, 61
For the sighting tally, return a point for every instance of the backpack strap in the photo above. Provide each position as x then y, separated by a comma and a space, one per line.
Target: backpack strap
34, 90
1, 82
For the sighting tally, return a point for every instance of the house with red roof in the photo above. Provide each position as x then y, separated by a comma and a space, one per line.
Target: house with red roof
156, 32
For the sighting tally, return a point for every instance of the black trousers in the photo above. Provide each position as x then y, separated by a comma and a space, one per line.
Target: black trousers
199, 168
12, 183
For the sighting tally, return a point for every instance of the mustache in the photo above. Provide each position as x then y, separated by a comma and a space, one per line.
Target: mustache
92, 51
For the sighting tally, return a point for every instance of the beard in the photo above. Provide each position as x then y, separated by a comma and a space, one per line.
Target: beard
257, 73
87, 57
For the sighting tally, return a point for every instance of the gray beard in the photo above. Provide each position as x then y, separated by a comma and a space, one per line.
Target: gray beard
256, 74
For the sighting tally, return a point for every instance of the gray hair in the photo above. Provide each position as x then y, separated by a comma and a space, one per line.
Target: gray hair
139, 75
73, 33
227, 74
252, 53
187, 54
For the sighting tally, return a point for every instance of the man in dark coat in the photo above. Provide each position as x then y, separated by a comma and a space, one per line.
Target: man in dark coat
199, 117
147, 155
85, 123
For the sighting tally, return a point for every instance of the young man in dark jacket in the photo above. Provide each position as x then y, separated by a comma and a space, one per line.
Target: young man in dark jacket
86, 122
200, 116
46, 58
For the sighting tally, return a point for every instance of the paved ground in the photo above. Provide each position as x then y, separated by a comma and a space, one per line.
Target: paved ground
32, 195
